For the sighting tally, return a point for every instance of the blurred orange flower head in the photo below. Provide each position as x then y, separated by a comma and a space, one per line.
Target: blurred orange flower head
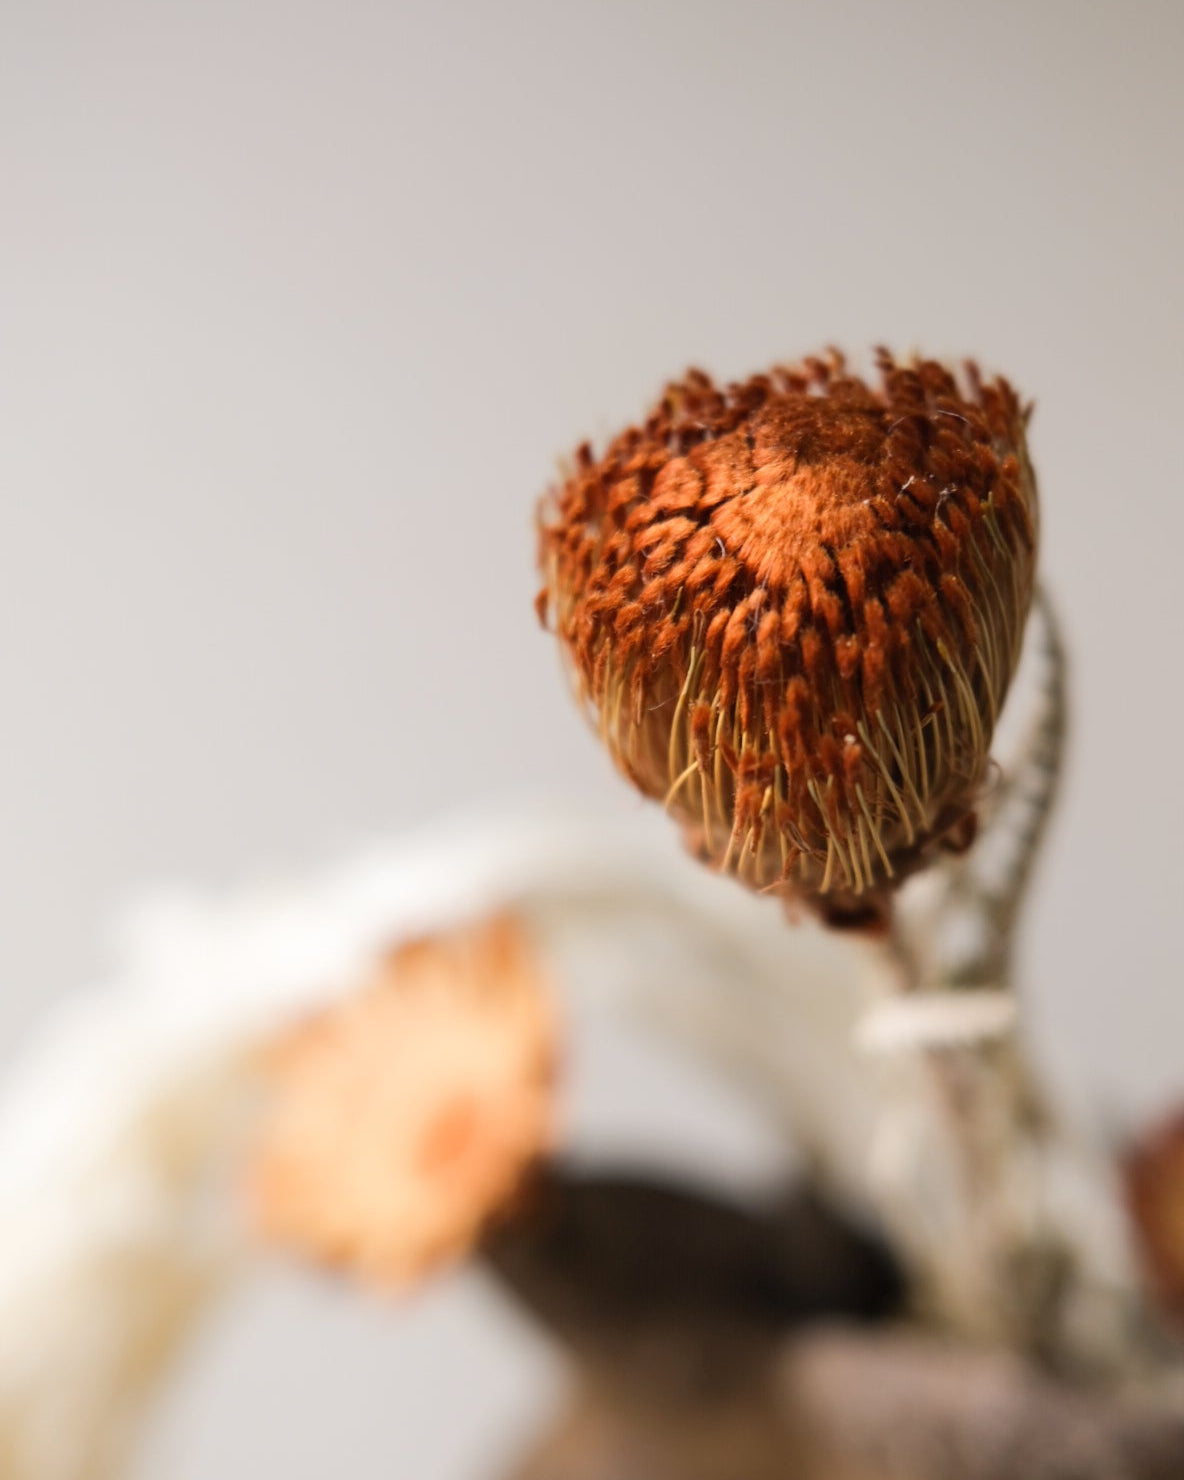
403, 1119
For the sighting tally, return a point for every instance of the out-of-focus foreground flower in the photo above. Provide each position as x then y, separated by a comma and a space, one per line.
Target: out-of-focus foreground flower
125, 1127
128, 1120
402, 1118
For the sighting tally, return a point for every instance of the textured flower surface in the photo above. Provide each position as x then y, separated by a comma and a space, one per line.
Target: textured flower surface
404, 1118
794, 606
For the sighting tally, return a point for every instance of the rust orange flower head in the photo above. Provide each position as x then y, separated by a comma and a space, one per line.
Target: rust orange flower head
401, 1121
794, 606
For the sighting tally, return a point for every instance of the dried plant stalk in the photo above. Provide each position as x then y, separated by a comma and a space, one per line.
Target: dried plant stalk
974, 1166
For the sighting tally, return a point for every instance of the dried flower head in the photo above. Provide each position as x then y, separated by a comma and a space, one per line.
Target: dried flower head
1154, 1177
402, 1119
794, 606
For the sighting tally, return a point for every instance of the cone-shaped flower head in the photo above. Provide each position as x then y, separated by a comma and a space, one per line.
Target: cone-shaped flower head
794, 606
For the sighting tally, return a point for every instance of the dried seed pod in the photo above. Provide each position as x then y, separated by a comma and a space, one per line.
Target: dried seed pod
403, 1119
794, 606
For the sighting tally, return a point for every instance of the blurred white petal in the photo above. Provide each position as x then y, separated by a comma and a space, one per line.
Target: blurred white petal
121, 1123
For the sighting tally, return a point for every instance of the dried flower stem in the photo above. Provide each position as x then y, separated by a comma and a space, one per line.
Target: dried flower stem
993, 1257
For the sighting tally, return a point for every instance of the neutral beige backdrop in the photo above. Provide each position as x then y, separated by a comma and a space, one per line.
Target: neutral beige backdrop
299, 303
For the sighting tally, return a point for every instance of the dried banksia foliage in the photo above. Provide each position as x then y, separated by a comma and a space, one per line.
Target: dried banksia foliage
794, 606
403, 1119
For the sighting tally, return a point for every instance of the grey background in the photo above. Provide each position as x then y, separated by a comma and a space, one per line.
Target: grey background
300, 302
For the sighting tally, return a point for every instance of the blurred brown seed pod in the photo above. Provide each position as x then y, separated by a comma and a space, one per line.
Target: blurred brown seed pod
793, 607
